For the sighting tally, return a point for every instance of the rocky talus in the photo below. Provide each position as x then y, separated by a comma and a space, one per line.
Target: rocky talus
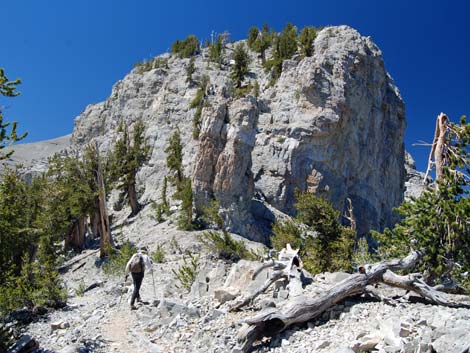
332, 123
175, 320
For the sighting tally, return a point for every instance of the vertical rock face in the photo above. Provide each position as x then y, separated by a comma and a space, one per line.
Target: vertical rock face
332, 124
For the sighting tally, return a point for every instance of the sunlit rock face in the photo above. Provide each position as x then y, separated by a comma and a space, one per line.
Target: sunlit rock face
332, 124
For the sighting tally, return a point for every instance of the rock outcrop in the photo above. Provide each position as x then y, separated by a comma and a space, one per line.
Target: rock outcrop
332, 124
414, 181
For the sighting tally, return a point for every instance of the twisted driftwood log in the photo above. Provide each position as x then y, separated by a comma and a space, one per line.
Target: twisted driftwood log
302, 308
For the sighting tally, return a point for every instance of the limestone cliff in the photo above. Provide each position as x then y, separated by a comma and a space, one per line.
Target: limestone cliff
333, 123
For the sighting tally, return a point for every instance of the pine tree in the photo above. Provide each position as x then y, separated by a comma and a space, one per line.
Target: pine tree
186, 48
325, 245
29, 244
199, 102
260, 41
73, 190
240, 68
185, 194
253, 34
437, 221
8, 134
285, 46
190, 69
127, 158
306, 37
174, 158
216, 50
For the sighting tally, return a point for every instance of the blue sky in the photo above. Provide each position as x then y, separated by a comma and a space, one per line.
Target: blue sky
70, 53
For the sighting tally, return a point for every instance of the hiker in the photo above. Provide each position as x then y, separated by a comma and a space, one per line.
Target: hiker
137, 265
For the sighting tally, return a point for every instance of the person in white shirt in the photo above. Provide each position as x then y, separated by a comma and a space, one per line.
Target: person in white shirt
138, 263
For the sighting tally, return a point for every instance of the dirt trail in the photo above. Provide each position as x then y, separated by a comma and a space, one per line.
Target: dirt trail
116, 331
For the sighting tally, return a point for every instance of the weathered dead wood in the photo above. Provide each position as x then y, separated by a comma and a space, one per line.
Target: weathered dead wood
303, 308
106, 240
350, 215
287, 263
67, 265
75, 237
413, 282
437, 149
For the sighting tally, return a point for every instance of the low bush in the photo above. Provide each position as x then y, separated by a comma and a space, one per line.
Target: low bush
115, 265
225, 247
187, 273
187, 47
158, 255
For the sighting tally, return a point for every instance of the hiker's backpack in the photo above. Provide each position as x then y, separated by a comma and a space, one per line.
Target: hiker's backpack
137, 264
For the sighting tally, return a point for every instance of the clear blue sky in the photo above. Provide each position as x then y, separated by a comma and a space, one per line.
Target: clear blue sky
70, 53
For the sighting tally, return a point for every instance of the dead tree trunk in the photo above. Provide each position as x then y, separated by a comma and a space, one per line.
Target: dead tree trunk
438, 148
75, 238
106, 240
303, 308
132, 193
95, 221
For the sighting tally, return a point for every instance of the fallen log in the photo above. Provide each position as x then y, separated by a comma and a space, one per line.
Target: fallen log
303, 308
68, 264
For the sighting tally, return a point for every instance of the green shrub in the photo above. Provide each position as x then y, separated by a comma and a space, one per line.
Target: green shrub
163, 207
187, 47
210, 214
115, 265
325, 245
158, 255
175, 246
80, 290
38, 285
362, 255
187, 273
225, 247
156, 63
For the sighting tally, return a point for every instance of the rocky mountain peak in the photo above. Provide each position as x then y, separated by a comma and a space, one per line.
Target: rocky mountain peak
332, 123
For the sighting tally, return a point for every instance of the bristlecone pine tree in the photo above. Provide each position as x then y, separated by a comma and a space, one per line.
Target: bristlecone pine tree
285, 46
260, 41
174, 158
199, 102
306, 37
8, 89
129, 155
325, 244
438, 221
190, 69
216, 50
240, 68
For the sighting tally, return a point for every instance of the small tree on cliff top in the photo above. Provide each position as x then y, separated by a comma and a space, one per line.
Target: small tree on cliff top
240, 68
